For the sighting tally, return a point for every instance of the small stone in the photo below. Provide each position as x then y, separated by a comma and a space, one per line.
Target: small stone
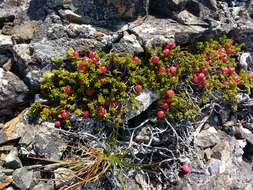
5, 40
246, 61
22, 178
7, 65
12, 161
215, 167
73, 17
25, 31
44, 186
207, 138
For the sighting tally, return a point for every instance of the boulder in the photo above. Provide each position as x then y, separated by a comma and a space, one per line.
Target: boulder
22, 178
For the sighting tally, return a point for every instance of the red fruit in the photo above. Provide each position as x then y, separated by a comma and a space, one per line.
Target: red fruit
138, 89
186, 168
57, 123
201, 76
92, 54
229, 51
166, 52
162, 70
226, 83
226, 70
103, 69
210, 62
221, 52
165, 106
170, 45
170, 93
68, 89
231, 70
83, 68
204, 70
155, 59
90, 92
136, 59
195, 79
94, 60
209, 56
160, 115
225, 60
250, 75
226, 46
76, 54
236, 79
173, 69
203, 84
86, 114
65, 115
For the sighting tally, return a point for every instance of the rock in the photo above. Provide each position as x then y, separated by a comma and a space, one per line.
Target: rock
128, 44
215, 167
246, 61
49, 143
23, 52
7, 65
145, 99
186, 17
207, 138
12, 160
44, 186
13, 91
74, 18
5, 40
24, 32
22, 178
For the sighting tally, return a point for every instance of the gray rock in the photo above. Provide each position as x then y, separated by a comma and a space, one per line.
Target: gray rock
12, 90
25, 31
246, 61
74, 18
5, 40
12, 160
22, 178
44, 186
49, 143
207, 138
186, 17
215, 167
127, 44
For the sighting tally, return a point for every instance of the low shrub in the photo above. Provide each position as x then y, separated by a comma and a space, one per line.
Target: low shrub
102, 86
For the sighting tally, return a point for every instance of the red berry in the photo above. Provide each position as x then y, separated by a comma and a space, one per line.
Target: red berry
201, 76
186, 168
92, 54
170, 45
155, 59
162, 70
203, 84
138, 89
221, 52
226, 70
225, 60
210, 62
83, 68
204, 70
103, 69
226, 83
89, 92
65, 115
165, 106
76, 54
231, 70
166, 52
195, 79
160, 115
236, 79
209, 56
136, 59
229, 51
68, 89
57, 123
173, 69
170, 93
94, 60
86, 114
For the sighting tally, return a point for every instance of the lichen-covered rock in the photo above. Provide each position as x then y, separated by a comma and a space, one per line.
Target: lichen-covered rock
12, 90
22, 178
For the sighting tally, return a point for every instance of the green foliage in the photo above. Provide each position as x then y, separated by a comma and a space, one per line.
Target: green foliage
106, 94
